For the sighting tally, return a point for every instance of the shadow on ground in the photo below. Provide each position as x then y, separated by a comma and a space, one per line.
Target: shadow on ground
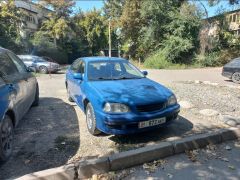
47, 137
177, 128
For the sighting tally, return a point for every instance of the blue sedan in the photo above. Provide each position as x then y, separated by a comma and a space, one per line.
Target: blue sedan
18, 92
117, 98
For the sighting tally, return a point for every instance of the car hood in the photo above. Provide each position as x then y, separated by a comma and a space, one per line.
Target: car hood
136, 91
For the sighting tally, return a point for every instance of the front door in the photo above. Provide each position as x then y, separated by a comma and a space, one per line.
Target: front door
75, 84
16, 84
30, 81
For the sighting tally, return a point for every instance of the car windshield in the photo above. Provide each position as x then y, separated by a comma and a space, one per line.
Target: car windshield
115, 70
235, 62
38, 59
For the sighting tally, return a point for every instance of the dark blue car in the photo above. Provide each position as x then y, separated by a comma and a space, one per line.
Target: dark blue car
18, 92
117, 98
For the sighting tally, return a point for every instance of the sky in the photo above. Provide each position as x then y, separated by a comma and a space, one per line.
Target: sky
87, 5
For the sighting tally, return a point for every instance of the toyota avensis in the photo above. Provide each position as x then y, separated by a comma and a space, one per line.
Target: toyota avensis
117, 98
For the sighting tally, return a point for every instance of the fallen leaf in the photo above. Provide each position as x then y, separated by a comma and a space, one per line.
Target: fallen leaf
231, 167
94, 177
228, 148
170, 175
191, 156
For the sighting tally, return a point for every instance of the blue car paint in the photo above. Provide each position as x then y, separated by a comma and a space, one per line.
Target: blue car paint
131, 92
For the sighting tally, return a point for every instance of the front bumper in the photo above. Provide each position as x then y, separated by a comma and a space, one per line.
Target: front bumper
227, 74
128, 123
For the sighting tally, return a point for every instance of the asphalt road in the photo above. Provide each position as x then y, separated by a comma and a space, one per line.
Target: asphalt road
204, 74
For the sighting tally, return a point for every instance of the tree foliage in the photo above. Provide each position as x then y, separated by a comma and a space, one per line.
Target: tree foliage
10, 24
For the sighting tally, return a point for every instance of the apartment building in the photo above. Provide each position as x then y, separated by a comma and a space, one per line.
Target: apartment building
35, 15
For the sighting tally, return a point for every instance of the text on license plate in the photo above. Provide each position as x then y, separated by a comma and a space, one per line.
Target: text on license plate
152, 122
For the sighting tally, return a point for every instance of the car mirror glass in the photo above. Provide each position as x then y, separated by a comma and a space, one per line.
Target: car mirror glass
77, 76
145, 73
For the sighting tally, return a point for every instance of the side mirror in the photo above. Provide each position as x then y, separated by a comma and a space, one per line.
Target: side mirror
77, 76
145, 73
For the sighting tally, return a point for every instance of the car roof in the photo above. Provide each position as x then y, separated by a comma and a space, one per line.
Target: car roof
101, 58
27, 56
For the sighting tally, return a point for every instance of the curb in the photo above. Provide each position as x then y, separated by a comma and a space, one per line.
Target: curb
86, 168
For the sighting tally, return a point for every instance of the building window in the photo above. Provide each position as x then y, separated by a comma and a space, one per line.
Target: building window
230, 18
30, 19
234, 18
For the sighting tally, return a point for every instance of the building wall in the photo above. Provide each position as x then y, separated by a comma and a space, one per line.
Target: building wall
233, 20
35, 15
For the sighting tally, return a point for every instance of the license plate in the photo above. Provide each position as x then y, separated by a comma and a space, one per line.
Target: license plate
153, 122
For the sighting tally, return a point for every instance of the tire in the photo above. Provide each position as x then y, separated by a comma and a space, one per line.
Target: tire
70, 99
43, 69
91, 120
36, 100
236, 77
6, 139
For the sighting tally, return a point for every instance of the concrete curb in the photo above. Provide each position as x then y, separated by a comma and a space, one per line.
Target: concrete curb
85, 169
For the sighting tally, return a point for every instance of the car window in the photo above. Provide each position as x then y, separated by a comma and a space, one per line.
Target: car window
76, 66
7, 67
235, 62
115, 70
26, 59
130, 69
18, 63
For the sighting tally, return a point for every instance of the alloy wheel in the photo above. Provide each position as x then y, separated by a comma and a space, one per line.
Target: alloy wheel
7, 138
236, 77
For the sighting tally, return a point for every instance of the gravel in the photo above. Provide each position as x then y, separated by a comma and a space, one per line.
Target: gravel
223, 99
55, 133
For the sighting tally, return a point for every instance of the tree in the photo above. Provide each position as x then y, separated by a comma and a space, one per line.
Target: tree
131, 24
10, 25
58, 25
94, 27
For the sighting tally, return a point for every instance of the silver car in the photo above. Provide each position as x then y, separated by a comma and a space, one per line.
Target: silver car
39, 64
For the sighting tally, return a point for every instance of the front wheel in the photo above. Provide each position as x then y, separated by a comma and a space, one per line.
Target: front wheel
91, 120
43, 69
6, 138
236, 77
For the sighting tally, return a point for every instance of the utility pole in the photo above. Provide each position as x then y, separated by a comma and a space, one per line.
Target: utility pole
109, 40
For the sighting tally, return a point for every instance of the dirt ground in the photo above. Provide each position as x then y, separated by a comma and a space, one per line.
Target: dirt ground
55, 133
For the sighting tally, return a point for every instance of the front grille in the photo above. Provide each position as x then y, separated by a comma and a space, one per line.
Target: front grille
151, 107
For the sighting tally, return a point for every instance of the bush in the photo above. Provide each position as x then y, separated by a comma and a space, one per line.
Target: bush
211, 59
157, 60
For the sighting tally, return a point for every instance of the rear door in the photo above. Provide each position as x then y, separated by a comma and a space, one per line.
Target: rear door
15, 84
29, 80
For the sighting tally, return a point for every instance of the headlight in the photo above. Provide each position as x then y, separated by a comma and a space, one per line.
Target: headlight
172, 100
115, 108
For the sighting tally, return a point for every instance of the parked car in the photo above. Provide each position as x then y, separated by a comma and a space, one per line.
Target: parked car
232, 70
117, 98
40, 64
18, 92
